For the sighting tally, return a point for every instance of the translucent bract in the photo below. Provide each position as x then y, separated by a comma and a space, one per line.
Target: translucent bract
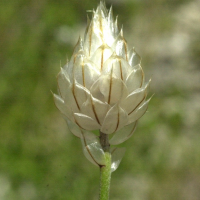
102, 87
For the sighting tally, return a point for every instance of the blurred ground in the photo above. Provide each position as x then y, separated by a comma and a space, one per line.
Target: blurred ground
39, 159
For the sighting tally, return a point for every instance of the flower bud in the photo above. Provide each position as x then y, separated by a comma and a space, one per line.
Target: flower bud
102, 87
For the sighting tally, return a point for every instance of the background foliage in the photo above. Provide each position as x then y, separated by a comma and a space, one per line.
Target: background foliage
40, 159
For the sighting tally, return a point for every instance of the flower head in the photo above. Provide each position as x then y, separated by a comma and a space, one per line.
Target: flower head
102, 87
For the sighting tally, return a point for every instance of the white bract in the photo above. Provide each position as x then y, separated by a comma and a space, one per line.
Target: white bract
102, 87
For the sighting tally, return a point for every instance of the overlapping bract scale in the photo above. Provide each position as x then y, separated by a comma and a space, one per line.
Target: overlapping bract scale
114, 120
102, 87
117, 155
92, 148
94, 153
123, 134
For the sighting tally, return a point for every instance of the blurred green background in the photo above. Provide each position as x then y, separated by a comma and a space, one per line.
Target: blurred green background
41, 160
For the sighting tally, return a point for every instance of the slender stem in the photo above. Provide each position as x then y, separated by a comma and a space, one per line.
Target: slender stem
105, 170
105, 178
104, 141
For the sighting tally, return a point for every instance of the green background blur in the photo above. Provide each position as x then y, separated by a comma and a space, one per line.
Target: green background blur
41, 160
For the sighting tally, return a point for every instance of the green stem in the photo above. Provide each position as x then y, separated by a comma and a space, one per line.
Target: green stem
105, 178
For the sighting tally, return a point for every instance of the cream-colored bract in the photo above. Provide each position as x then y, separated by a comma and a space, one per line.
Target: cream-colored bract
102, 87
